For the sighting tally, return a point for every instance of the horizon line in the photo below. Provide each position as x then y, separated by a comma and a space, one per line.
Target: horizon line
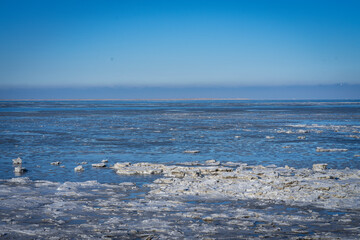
180, 99
340, 84
126, 99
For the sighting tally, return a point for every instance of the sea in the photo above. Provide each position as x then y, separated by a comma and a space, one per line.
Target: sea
281, 133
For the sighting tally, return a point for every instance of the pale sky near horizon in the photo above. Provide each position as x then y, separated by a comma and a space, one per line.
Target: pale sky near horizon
179, 43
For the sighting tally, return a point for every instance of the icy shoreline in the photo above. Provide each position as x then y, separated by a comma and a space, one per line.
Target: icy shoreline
190, 201
331, 189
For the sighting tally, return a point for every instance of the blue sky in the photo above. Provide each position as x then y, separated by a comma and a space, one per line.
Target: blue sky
178, 43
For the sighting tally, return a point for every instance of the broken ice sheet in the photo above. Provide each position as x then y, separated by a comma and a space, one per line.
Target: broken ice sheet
88, 210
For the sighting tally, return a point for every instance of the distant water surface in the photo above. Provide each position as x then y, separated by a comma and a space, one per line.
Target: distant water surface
253, 132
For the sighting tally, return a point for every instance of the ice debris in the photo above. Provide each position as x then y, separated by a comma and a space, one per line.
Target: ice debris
212, 162
191, 151
55, 163
17, 161
138, 168
79, 169
207, 202
319, 166
19, 169
285, 131
328, 188
303, 131
98, 165
355, 136
320, 149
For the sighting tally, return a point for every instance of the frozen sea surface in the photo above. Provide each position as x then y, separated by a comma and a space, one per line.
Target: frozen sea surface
53, 201
90, 210
253, 132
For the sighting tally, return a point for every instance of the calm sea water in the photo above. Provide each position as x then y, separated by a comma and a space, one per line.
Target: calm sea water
253, 132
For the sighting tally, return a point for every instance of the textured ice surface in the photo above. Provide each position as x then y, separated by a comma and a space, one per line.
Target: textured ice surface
246, 202
327, 188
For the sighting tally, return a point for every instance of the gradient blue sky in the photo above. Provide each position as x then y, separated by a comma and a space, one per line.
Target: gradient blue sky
178, 43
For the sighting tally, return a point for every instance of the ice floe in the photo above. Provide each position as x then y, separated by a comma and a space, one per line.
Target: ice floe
320, 149
98, 165
328, 188
79, 169
192, 151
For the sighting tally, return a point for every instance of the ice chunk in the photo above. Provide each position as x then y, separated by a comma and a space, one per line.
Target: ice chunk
19, 169
192, 151
17, 161
98, 165
319, 166
320, 149
79, 169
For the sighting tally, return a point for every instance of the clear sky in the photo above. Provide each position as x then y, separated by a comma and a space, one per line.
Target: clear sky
178, 43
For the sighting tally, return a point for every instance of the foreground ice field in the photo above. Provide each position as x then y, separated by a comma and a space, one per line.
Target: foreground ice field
193, 201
